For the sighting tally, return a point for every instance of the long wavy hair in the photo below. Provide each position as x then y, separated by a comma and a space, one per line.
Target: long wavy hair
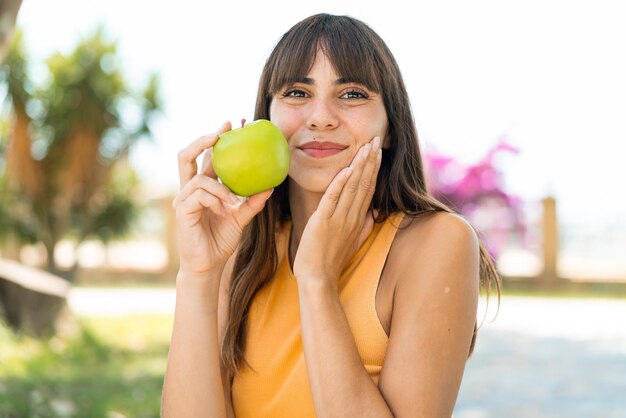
358, 54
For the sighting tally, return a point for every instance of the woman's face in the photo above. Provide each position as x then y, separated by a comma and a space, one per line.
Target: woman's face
325, 111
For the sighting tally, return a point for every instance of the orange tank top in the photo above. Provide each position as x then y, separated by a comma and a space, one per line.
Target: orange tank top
278, 385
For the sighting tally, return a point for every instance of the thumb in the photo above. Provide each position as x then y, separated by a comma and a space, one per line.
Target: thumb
253, 205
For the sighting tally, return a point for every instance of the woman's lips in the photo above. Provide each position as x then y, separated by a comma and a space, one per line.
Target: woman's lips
322, 149
320, 153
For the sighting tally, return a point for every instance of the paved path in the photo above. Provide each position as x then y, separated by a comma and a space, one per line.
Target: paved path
122, 301
540, 358
549, 358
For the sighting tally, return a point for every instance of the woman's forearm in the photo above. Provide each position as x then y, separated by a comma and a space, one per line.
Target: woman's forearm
193, 381
339, 382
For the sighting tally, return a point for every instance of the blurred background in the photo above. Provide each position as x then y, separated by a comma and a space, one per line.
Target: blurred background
519, 108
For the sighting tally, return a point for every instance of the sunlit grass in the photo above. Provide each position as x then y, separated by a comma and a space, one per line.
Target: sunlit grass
106, 367
617, 291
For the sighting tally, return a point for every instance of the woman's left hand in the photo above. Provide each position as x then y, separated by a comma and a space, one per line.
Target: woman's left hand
342, 221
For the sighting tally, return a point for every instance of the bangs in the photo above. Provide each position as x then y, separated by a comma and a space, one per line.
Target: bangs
350, 51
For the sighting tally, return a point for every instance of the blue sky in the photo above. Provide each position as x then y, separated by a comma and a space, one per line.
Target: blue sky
548, 75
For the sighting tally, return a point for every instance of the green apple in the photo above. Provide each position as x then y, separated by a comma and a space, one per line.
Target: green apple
251, 159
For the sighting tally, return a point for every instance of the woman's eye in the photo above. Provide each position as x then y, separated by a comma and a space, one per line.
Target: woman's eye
294, 93
355, 94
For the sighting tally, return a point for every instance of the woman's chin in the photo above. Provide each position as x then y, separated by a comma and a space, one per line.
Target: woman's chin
310, 185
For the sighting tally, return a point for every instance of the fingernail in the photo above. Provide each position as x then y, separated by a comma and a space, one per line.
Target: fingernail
376, 145
366, 150
347, 172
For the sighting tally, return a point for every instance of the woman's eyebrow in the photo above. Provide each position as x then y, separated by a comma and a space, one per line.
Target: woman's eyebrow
340, 80
311, 82
304, 80
346, 80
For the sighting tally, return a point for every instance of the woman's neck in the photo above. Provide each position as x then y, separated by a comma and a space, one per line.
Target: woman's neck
302, 204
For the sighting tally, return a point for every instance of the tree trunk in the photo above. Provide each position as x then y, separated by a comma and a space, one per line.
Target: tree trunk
51, 265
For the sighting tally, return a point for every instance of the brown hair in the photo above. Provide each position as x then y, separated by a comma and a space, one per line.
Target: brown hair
358, 54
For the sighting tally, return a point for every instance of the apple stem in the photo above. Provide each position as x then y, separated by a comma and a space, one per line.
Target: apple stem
243, 122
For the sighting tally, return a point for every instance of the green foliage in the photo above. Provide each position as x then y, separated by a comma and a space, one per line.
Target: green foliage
16, 216
112, 365
75, 124
14, 72
111, 213
86, 88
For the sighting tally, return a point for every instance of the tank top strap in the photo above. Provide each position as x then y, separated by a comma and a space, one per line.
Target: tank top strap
371, 257
358, 295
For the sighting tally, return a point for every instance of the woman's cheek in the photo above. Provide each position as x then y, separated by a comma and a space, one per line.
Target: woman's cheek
286, 119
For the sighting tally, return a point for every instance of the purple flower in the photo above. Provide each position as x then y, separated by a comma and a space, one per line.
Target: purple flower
477, 192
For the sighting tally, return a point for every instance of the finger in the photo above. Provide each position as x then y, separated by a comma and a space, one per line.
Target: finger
207, 164
199, 200
253, 205
209, 185
207, 160
374, 167
331, 197
187, 166
368, 226
367, 182
348, 202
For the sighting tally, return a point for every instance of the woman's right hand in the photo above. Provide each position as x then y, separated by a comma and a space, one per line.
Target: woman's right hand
209, 217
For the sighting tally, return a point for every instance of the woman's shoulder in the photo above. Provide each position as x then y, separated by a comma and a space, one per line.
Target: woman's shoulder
446, 223
432, 257
432, 235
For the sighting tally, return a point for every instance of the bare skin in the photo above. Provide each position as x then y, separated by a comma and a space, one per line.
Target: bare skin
427, 294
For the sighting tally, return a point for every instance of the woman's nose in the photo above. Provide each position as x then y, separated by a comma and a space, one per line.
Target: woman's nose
322, 115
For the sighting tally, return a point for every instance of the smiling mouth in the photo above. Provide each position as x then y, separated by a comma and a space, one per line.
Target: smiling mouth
321, 152
322, 149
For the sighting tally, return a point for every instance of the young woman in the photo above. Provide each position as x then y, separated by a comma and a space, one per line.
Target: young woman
348, 291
